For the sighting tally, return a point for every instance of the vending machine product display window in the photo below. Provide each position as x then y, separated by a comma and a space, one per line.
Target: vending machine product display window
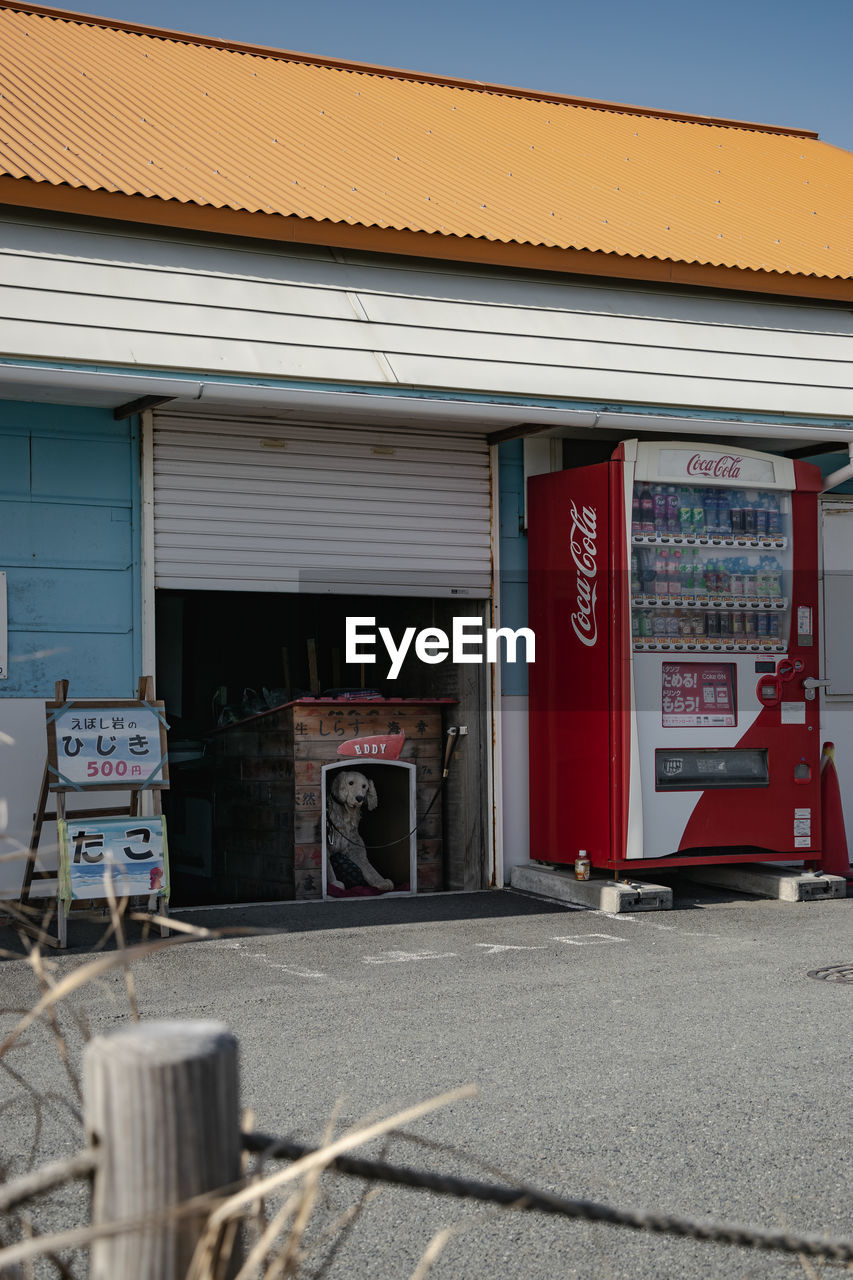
710, 568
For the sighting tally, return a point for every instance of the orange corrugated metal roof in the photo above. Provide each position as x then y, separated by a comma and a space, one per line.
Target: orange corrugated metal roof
93, 103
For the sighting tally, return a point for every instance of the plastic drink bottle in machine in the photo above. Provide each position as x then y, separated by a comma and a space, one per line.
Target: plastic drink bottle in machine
685, 511
647, 511
659, 501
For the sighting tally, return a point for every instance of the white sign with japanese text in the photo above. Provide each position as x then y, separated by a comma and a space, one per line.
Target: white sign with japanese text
129, 854
107, 746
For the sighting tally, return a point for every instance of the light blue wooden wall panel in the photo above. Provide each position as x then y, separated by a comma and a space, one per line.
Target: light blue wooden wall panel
93, 471
91, 600
61, 535
14, 465
69, 507
93, 664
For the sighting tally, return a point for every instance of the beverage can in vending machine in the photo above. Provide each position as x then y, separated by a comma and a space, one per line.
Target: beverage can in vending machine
698, 514
775, 629
673, 626
645, 623
749, 515
762, 625
737, 626
659, 625
712, 625
636, 521
673, 524
697, 624
750, 630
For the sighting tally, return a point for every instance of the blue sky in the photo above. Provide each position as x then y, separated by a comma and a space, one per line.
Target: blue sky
784, 62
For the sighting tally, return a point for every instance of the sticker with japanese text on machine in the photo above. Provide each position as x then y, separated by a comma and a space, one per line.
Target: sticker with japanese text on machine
698, 695
127, 857
103, 745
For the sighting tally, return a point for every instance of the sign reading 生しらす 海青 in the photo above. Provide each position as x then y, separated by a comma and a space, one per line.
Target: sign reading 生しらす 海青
125, 856
106, 744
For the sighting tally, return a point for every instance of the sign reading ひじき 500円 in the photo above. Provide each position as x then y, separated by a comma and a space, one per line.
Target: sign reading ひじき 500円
106, 744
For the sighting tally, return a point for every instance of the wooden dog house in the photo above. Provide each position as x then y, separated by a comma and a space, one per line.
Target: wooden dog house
269, 775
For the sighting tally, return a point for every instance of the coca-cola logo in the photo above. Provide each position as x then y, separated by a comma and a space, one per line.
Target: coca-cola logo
582, 544
722, 466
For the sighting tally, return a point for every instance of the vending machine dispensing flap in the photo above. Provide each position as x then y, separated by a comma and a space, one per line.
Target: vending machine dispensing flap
705, 769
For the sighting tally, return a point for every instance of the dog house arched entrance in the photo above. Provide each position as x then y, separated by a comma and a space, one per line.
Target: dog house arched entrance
369, 828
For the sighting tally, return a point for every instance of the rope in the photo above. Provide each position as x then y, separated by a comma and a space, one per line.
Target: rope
523, 1197
448, 754
518, 1197
388, 843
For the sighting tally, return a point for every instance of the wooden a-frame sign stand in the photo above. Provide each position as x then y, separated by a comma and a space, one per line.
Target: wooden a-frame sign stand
54, 781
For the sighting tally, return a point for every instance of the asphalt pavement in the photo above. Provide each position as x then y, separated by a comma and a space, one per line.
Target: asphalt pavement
679, 1061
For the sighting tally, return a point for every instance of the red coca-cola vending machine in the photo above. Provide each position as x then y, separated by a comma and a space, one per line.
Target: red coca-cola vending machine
673, 708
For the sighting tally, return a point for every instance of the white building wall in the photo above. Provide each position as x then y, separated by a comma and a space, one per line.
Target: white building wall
136, 299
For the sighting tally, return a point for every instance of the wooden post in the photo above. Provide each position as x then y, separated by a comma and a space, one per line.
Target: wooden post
313, 670
162, 1108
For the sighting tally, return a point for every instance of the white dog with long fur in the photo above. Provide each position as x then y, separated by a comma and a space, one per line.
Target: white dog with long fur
346, 799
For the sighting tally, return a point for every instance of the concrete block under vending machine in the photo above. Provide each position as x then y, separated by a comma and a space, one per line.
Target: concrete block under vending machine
612, 896
782, 883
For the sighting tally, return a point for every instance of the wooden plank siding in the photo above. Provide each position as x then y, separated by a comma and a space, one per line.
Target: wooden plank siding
174, 303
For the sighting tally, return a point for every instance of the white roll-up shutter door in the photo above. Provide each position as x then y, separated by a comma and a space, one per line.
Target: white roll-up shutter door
257, 505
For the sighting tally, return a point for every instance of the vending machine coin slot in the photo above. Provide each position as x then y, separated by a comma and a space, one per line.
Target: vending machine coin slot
769, 690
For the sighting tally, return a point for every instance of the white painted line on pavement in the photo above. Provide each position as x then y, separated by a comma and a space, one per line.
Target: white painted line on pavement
492, 948
402, 957
287, 968
591, 939
619, 917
